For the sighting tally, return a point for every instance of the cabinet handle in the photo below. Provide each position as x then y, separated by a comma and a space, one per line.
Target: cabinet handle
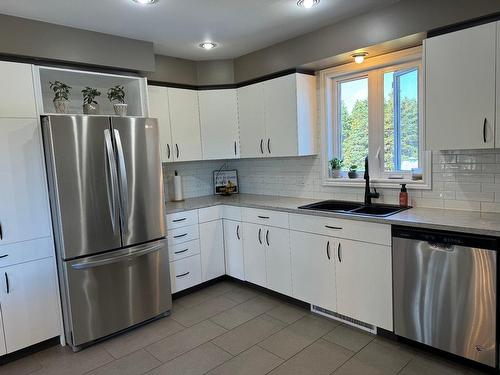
7, 284
177, 149
328, 250
1, 232
180, 252
168, 151
181, 235
269, 145
262, 146
235, 152
267, 237
178, 220
238, 232
339, 249
484, 130
260, 239
263, 217
182, 274
330, 227
4, 256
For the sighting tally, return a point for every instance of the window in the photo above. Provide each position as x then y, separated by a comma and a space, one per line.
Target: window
374, 110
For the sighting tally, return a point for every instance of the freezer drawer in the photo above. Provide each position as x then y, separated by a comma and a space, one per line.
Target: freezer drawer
110, 292
445, 292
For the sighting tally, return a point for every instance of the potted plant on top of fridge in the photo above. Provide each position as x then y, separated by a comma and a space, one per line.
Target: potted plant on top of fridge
116, 94
61, 96
90, 106
335, 167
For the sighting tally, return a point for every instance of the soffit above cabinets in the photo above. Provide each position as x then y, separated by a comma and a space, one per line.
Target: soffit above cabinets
177, 27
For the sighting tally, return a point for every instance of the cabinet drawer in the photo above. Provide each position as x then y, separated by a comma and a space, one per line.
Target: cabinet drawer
342, 228
182, 235
185, 273
232, 213
210, 213
26, 251
265, 217
182, 219
184, 250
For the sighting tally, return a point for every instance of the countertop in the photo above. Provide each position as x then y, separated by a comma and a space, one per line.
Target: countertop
451, 220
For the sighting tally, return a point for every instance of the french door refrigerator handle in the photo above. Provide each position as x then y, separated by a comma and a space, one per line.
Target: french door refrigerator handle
111, 170
123, 180
118, 258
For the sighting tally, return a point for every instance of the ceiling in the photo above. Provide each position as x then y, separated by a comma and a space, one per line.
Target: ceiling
177, 27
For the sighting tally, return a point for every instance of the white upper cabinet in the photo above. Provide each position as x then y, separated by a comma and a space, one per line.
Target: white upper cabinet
460, 89
24, 212
185, 124
17, 97
219, 124
252, 120
159, 109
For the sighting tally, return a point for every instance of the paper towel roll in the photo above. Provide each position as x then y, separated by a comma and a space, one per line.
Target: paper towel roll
178, 196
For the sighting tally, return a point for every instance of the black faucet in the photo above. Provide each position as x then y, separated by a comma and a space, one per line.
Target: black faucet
368, 194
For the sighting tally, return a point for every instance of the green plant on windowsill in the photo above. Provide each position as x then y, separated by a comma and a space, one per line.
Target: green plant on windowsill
335, 167
353, 171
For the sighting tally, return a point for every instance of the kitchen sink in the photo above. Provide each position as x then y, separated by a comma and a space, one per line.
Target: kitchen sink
355, 208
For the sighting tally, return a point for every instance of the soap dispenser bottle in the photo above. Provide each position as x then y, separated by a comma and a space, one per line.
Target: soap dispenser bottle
403, 196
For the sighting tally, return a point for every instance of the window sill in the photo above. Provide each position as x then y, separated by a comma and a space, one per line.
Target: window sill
378, 183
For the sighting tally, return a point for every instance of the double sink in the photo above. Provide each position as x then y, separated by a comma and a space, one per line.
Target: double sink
355, 208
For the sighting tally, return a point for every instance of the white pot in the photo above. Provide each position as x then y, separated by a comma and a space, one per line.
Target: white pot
120, 109
335, 173
91, 109
61, 106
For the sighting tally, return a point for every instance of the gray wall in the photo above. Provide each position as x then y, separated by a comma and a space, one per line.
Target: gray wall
395, 21
216, 72
174, 70
27, 38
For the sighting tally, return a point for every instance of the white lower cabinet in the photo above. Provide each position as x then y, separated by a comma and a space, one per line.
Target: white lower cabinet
278, 262
233, 249
3, 349
254, 254
29, 302
185, 273
313, 269
212, 250
364, 282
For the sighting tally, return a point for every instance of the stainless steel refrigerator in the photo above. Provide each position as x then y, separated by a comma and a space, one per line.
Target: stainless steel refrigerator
106, 190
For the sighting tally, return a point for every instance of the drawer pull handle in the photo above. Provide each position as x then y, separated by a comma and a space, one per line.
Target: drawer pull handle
330, 227
181, 235
178, 220
180, 252
267, 237
339, 249
4, 256
7, 284
182, 274
328, 250
263, 217
260, 239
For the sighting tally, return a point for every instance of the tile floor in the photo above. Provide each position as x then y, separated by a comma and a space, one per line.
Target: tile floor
230, 329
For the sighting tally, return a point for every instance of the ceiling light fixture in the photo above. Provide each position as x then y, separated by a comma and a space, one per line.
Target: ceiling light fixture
359, 58
145, 2
307, 3
208, 45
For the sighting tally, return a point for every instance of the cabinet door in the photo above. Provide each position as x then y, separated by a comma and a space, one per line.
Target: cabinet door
254, 254
159, 109
460, 89
24, 212
313, 269
3, 349
281, 116
233, 247
212, 250
30, 308
219, 124
278, 263
364, 282
185, 124
17, 96
252, 121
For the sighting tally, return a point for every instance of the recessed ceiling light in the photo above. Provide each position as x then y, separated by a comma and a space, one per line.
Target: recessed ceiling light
307, 3
208, 45
359, 57
145, 2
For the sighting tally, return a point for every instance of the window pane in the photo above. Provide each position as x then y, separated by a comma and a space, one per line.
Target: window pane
401, 135
353, 96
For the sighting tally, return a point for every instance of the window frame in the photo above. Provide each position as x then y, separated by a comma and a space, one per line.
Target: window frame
374, 69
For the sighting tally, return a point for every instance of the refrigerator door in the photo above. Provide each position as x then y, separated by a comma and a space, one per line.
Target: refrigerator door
83, 184
140, 179
111, 292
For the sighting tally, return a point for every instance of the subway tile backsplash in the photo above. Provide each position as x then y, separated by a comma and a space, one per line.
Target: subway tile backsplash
462, 180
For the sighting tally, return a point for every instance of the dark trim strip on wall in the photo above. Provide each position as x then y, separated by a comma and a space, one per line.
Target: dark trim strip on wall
232, 85
463, 25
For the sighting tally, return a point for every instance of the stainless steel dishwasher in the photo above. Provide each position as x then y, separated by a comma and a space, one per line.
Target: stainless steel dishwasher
445, 291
